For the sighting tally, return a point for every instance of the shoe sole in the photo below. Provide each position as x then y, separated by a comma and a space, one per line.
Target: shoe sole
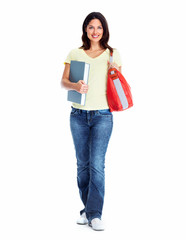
82, 223
90, 225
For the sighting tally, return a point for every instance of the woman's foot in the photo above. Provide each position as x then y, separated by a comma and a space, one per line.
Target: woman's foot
97, 224
82, 220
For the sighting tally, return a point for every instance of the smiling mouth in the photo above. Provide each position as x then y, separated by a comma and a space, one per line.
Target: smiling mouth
95, 36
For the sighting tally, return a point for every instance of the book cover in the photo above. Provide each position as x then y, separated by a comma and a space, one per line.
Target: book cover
78, 71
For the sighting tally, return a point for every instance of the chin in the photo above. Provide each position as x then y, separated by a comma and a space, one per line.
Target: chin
95, 40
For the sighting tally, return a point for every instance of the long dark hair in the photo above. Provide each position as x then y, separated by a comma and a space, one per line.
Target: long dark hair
105, 38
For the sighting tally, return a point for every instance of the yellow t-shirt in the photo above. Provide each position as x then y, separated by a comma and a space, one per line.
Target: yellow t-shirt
96, 98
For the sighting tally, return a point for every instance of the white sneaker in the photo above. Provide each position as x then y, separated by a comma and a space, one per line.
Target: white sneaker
82, 220
97, 224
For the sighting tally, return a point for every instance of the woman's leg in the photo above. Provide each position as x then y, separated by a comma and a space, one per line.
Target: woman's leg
81, 134
101, 129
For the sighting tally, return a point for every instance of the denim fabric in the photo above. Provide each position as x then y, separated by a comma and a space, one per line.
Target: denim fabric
91, 131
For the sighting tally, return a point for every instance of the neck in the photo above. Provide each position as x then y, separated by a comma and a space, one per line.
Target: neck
95, 46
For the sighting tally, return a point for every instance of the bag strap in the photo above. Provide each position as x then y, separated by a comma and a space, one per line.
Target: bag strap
111, 56
111, 60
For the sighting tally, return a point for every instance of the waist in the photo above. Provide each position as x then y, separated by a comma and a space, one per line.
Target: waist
91, 111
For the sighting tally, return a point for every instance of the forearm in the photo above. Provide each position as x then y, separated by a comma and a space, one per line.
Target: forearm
67, 84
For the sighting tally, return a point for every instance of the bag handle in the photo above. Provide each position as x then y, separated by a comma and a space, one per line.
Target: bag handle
111, 57
111, 60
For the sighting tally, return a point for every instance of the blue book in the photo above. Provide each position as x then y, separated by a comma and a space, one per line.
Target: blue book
78, 71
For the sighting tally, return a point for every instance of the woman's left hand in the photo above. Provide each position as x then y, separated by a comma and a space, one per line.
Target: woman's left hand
112, 65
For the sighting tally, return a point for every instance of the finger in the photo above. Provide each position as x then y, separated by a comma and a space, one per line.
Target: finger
81, 81
83, 89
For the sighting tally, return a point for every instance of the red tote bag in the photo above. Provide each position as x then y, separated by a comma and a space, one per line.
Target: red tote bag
119, 95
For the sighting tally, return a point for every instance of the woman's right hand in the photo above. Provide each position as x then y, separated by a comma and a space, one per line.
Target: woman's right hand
81, 87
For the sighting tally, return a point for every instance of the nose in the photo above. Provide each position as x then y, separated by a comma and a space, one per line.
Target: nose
95, 31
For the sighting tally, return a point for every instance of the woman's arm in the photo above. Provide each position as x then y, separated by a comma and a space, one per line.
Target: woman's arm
80, 86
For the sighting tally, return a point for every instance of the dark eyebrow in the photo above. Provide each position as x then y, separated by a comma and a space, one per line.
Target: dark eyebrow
93, 26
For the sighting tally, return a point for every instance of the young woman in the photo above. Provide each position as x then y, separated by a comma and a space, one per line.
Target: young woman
91, 124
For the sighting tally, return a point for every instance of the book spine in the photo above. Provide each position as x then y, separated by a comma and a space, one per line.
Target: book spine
85, 79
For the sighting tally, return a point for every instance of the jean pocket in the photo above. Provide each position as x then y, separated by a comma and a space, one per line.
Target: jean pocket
74, 111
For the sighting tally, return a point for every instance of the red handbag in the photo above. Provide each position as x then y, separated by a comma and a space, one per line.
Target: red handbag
119, 95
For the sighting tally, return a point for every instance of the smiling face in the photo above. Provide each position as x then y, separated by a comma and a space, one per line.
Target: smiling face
94, 30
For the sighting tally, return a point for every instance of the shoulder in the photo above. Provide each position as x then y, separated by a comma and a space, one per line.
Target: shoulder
116, 51
75, 51
117, 57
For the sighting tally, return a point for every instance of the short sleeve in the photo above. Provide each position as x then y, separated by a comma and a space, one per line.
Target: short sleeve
117, 57
69, 57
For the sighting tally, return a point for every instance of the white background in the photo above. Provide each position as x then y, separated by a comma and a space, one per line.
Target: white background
145, 165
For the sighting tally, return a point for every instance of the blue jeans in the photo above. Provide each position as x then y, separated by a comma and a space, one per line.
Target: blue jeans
91, 131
